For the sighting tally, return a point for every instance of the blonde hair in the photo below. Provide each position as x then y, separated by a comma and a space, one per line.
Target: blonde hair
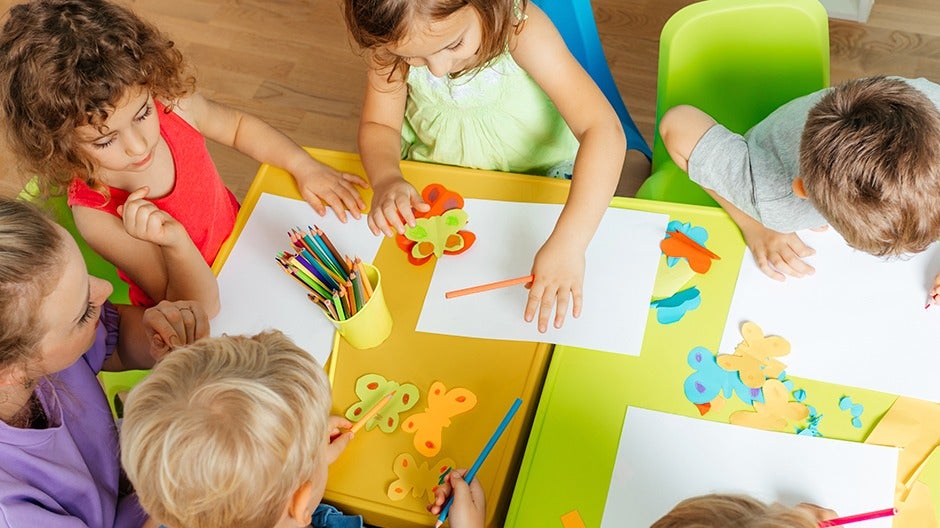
870, 163
733, 511
375, 24
66, 64
225, 430
30, 251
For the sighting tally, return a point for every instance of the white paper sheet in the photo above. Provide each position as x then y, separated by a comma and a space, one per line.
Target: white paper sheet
858, 321
255, 292
621, 264
664, 459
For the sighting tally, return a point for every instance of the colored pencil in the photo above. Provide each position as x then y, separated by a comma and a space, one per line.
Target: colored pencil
682, 236
351, 299
338, 305
472, 472
930, 300
366, 284
360, 291
372, 412
887, 512
328, 243
490, 286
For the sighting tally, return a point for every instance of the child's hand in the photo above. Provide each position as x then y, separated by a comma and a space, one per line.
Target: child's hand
392, 202
778, 253
469, 507
818, 513
147, 222
559, 276
173, 324
320, 183
339, 437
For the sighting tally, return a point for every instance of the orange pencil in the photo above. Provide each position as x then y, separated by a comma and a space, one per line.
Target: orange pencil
682, 236
372, 412
365, 278
351, 298
490, 286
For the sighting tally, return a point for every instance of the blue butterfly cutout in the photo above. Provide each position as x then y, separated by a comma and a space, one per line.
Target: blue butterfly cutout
812, 423
709, 379
855, 409
672, 309
698, 234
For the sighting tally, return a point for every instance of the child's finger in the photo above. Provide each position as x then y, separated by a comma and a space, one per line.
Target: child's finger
336, 202
532, 302
355, 180
138, 194
577, 296
418, 203
561, 307
351, 200
403, 203
392, 220
370, 221
545, 308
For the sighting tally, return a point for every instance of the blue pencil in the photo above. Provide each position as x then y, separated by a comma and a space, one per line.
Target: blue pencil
483, 454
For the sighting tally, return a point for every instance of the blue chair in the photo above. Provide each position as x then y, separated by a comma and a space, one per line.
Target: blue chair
575, 21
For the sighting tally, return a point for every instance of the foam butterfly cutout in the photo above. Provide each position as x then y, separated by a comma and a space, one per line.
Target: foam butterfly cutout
674, 308
696, 233
754, 358
443, 405
416, 479
678, 245
709, 381
776, 411
435, 236
855, 409
371, 388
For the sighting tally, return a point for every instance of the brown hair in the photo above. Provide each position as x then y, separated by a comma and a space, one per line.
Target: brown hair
30, 252
375, 24
65, 64
870, 163
225, 430
732, 511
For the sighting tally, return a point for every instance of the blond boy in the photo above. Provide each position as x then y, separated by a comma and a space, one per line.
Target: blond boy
232, 432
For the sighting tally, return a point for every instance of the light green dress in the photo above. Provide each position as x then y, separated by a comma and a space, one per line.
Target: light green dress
496, 119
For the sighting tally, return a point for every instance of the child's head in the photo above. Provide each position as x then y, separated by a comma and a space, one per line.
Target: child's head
68, 63
48, 303
738, 511
228, 431
870, 163
450, 37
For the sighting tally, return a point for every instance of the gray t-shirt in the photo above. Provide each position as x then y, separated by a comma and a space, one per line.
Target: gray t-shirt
755, 172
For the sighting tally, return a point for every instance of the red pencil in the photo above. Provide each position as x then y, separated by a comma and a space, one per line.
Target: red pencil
887, 512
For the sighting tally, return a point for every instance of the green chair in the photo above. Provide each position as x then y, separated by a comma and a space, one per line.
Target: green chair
737, 60
114, 382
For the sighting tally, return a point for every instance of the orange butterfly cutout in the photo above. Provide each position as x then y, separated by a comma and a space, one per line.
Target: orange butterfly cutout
441, 200
754, 358
442, 406
677, 244
417, 479
776, 411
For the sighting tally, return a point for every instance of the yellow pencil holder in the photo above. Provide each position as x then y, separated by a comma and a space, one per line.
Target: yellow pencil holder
371, 325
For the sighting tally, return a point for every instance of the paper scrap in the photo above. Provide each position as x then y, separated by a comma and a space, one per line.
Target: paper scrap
776, 411
754, 358
672, 309
572, 519
709, 380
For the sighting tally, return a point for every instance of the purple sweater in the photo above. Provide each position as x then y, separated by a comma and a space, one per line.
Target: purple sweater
69, 474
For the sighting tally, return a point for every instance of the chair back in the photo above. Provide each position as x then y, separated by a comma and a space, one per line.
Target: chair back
574, 19
737, 60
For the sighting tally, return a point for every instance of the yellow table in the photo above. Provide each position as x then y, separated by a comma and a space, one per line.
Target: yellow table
496, 371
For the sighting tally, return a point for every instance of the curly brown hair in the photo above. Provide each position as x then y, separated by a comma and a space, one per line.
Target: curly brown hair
870, 163
67, 63
375, 24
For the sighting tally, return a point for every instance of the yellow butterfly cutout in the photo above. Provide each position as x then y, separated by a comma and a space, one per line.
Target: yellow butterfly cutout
442, 406
754, 357
416, 479
370, 388
437, 234
776, 411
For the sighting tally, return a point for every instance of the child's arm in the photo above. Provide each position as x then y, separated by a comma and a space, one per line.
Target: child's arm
146, 335
469, 507
777, 254
152, 248
250, 135
383, 111
559, 264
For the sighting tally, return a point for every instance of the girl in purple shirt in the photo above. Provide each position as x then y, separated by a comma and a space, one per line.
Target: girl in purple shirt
58, 442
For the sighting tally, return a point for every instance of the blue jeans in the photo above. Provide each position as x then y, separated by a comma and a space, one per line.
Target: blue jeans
326, 516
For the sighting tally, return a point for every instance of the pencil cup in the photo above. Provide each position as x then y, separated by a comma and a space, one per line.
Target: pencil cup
373, 323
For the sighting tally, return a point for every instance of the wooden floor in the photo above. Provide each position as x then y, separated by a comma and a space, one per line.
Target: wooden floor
289, 61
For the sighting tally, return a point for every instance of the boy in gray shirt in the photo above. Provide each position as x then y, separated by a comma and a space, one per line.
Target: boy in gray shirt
863, 157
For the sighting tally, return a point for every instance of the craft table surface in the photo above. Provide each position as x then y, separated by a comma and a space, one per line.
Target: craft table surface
575, 434
496, 371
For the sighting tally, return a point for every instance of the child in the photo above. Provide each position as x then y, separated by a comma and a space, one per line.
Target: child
722, 511
58, 439
234, 431
865, 155
99, 101
490, 85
